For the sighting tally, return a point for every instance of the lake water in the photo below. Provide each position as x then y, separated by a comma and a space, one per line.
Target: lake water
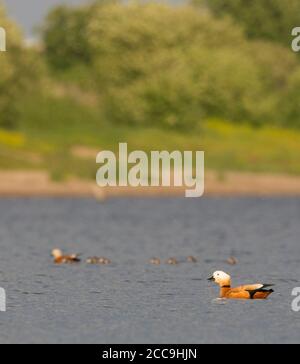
132, 301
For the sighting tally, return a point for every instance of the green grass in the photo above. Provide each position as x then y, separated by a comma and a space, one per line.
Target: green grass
50, 127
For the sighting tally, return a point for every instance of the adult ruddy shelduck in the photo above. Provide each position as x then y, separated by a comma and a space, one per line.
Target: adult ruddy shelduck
60, 258
247, 292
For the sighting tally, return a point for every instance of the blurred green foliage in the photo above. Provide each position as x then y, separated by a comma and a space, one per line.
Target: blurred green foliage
269, 19
19, 71
156, 76
65, 36
49, 134
155, 64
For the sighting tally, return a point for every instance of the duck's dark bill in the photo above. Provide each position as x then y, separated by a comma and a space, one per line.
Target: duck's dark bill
211, 279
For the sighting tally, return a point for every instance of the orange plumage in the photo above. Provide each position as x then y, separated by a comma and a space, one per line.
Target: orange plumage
60, 258
246, 292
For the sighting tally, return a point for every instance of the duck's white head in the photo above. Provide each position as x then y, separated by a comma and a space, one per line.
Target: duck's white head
222, 278
57, 253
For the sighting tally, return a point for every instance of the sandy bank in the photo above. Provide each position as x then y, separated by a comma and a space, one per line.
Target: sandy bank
27, 184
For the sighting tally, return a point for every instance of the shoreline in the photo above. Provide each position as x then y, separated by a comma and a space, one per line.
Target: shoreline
225, 184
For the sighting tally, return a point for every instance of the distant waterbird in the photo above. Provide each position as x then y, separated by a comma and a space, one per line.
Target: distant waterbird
98, 260
60, 258
191, 259
232, 261
155, 261
172, 261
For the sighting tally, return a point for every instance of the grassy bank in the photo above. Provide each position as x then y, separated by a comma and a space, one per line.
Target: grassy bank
63, 136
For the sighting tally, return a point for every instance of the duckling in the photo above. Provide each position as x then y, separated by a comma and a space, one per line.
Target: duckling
232, 261
172, 261
191, 259
247, 292
155, 261
104, 261
60, 258
98, 260
92, 260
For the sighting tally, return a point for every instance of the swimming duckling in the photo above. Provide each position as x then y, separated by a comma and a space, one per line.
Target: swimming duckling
60, 258
98, 260
247, 292
92, 260
232, 261
191, 259
104, 261
172, 261
155, 261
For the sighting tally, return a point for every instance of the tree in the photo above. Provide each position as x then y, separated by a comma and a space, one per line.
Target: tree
65, 38
267, 19
19, 70
155, 64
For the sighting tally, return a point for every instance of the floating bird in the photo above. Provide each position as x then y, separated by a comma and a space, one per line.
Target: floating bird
172, 261
191, 259
155, 261
232, 261
104, 261
248, 292
60, 258
98, 260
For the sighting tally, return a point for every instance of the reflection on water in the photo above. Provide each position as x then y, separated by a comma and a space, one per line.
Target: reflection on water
132, 300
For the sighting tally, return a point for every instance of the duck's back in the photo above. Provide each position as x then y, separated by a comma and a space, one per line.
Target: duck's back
253, 291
